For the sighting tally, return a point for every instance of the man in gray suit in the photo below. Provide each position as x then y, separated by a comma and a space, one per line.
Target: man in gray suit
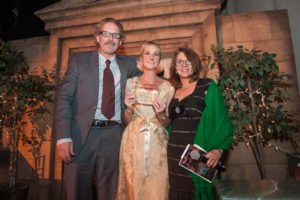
87, 123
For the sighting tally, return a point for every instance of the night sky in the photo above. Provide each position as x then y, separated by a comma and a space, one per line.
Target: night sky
17, 20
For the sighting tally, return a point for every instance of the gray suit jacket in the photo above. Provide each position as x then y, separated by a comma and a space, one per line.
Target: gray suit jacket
77, 97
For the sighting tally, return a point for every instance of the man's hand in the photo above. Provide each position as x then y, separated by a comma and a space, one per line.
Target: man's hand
65, 151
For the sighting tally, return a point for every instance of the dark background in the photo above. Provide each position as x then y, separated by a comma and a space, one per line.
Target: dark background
17, 20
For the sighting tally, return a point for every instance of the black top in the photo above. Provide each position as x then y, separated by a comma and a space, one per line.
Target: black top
185, 116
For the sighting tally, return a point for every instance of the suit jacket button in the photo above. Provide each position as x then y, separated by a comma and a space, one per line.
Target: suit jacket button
94, 108
89, 124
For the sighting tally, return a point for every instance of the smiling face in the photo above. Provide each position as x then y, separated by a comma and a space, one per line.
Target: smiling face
109, 45
150, 57
183, 66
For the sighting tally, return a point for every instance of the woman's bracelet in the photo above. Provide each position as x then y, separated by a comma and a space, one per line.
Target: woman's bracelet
161, 116
220, 151
129, 110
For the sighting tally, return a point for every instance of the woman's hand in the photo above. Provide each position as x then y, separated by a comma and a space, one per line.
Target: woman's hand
130, 100
213, 157
160, 110
159, 105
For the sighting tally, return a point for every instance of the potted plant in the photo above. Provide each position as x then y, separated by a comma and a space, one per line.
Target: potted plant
255, 92
23, 95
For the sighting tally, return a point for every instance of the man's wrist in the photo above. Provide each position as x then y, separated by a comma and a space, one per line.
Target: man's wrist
64, 140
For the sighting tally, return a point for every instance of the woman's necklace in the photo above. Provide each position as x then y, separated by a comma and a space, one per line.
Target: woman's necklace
148, 86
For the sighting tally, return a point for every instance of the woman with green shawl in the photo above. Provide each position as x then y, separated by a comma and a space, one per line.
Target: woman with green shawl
199, 116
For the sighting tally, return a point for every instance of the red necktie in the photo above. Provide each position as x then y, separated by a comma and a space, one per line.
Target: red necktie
108, 93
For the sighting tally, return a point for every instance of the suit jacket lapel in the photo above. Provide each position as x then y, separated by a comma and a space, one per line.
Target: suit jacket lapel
94, 65
123, 72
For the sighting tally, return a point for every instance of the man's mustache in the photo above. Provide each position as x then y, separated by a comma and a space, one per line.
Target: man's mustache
110, 42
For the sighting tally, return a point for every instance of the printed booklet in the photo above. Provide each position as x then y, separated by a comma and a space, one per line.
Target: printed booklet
193, 159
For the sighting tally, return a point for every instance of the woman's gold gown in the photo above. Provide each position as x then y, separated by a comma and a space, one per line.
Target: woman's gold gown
143, 171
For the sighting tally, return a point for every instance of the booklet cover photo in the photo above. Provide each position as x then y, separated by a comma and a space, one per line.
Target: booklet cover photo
193, 159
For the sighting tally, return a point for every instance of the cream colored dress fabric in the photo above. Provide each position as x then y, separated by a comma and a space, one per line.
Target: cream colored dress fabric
143, 171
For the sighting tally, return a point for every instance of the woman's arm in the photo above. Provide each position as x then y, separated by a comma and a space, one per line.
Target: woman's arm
130, 100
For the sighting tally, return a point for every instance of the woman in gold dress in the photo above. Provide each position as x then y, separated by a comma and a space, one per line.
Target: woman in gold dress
143, 171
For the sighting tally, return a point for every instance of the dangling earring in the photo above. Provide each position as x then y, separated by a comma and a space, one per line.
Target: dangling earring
176, 72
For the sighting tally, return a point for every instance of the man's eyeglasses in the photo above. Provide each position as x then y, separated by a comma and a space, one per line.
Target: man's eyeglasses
181, 62
114, 35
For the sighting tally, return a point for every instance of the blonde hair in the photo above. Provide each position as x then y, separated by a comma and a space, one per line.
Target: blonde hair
150, 43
